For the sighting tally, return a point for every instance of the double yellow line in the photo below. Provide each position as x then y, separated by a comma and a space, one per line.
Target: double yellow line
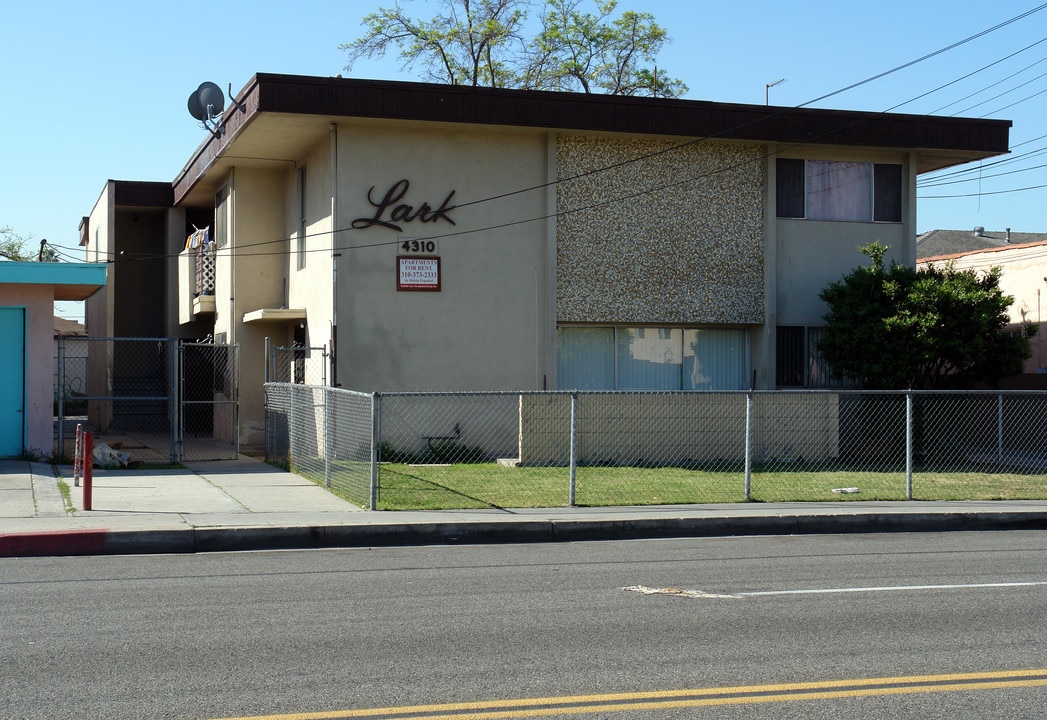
702, 697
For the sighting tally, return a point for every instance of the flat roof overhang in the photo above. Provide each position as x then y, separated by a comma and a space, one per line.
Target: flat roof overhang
275, 119
71, 281
275, 315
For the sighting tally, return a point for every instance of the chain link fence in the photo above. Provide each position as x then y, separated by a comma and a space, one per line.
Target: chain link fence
325, 434
297, 364
208, 392
548, 449
152, 400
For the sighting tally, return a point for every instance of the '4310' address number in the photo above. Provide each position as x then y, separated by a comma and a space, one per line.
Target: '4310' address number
418, 246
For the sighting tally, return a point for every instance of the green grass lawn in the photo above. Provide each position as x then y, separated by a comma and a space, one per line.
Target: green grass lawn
488, 485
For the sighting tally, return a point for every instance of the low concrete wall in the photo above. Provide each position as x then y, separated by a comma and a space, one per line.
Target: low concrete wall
680, 428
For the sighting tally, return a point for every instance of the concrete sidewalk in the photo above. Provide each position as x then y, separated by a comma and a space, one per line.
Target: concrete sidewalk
246, 504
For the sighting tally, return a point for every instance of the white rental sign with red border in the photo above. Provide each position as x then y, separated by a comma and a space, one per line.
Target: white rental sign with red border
418, 273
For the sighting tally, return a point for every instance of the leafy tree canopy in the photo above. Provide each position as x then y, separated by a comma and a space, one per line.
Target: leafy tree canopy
13, 247
897, 327
483, 43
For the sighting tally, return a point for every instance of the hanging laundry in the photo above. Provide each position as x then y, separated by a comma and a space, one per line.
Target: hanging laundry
198, 238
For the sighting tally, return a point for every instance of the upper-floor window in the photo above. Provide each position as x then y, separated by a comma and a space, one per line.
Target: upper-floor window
221, 218
836, 190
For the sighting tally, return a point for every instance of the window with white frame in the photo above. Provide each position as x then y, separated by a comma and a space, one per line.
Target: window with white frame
839, 191
644, 358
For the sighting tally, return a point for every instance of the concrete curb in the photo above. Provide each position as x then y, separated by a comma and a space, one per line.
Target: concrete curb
224, 539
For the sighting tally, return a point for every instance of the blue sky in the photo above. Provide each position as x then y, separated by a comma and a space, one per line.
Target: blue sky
98, 91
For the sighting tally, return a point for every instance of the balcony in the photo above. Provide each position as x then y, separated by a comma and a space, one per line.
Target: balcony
196, 282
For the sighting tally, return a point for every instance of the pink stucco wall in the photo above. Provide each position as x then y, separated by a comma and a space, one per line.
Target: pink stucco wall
1024, 277
38, 301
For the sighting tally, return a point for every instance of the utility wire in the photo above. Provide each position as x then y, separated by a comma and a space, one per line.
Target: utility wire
633, 160
981, 194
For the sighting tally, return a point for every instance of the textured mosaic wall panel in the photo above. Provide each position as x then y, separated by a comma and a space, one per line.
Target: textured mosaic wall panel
651, 232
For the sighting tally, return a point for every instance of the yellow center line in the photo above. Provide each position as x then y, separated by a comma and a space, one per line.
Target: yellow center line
697, 697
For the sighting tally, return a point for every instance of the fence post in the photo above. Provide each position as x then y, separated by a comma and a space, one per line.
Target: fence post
908, 444
175, 398
376, 439
748, 445
59, 451
999, 429
574, 447
265, 398
327, 436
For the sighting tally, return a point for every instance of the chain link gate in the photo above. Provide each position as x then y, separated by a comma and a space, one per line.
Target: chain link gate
208, 403
297, 364
155, 400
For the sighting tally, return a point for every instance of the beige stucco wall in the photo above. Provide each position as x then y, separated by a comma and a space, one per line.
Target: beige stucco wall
546, 229
311, 286
488, 326
812, 254
250, 274
655, 231
38, 301
98, 309
174, 241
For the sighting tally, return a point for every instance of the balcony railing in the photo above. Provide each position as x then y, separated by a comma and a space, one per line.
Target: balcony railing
196, 281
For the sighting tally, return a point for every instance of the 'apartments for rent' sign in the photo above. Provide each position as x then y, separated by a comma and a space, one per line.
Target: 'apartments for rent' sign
418, 273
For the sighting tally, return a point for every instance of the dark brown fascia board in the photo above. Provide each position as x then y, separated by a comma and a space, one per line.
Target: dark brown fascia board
134, 193
423, 102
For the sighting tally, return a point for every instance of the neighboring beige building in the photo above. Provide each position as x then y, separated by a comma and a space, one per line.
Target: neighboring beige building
440, 237
1022, 259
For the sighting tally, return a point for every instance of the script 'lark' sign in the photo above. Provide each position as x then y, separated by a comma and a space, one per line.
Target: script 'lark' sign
391, 213
418, 273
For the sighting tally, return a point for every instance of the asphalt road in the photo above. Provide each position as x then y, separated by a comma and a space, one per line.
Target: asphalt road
708, 628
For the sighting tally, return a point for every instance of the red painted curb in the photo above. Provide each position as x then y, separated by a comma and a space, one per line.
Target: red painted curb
56, 542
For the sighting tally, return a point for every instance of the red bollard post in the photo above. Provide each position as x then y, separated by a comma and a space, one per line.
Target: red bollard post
88, 473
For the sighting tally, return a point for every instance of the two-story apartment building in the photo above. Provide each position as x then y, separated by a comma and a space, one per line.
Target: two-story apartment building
441, 237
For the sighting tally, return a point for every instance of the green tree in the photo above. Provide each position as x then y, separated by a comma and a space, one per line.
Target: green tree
896, 327
13, 247
482, 43
595, 53
471, 42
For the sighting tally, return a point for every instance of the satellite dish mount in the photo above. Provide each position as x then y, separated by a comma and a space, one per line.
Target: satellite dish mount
207, 104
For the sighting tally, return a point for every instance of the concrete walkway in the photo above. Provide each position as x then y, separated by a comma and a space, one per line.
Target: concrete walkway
246, 504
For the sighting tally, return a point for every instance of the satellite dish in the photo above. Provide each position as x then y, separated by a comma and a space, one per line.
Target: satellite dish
194, 107
211, 99
207, 103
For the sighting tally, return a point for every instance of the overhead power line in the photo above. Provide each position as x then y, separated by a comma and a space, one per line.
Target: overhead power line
672, 148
